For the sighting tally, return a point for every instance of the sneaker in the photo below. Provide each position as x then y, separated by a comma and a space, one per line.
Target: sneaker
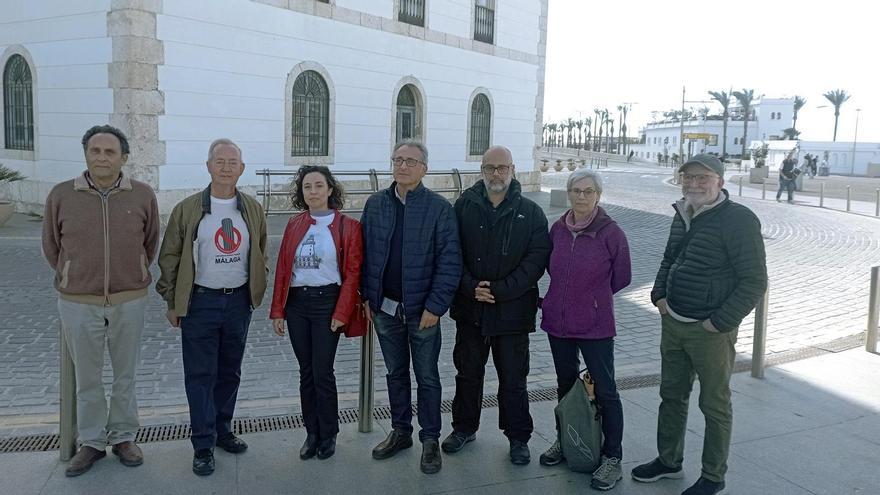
231, 443
431, 461
607, 475
553, 455
203, 462
705, 487
456, 441
519, 453
655, 470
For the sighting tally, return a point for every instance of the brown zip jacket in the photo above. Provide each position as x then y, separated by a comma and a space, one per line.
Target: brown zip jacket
101, 245
177, 258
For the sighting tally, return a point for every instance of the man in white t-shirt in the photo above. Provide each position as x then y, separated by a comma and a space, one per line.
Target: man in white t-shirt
213, 262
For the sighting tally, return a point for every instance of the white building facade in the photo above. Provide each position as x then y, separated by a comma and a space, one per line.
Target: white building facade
769, 118
293, 82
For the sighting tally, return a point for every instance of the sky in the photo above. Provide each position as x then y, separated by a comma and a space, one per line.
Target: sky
605, 53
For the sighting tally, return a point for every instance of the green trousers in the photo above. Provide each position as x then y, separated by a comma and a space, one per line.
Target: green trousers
688, 350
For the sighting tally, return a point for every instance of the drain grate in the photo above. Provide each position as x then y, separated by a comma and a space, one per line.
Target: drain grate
165, 433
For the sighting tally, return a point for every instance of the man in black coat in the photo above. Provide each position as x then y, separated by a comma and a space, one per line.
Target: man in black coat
505, 249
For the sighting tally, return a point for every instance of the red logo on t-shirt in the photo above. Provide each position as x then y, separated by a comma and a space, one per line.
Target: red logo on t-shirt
228, 238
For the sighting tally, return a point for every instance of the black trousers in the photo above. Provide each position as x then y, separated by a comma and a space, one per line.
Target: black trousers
510, 353
308, 313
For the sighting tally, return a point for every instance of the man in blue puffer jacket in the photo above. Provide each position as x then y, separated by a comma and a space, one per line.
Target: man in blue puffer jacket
411, 270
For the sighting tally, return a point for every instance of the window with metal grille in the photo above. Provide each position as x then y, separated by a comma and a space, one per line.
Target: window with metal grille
481, 118
408, 117
18, 104
311, 115
412, 12
484, 21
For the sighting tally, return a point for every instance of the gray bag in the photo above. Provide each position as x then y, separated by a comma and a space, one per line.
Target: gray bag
580, 429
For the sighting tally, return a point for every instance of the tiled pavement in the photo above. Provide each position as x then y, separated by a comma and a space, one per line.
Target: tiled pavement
819, 268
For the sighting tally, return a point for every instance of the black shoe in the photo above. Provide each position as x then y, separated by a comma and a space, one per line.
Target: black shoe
431, 460
655, 470
327, 448
519, 453
705, 487
231, 443
309, 448
203, 462
397, 440
456, 441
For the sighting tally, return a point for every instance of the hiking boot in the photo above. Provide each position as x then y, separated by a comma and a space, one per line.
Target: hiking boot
129, 453
705, 487
456, 441
431, 460
553, 455
655, 470
607, 474
396, 441
519, 452
83, 460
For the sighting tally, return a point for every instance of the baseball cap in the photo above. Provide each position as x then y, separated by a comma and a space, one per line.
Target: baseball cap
709, 161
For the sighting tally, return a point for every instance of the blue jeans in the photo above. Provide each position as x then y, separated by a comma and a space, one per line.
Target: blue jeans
213, 334
786, 185
399, 339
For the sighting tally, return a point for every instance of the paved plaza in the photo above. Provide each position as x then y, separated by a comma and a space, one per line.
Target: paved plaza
818, 259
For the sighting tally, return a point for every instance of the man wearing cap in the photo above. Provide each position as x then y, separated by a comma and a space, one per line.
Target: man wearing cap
712, 275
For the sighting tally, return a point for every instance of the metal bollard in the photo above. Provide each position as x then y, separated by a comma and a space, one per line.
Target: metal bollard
763, 190
740, 185
760, 338
822, 195
67, 431
365, 387
873, 311
877, 204
848, 189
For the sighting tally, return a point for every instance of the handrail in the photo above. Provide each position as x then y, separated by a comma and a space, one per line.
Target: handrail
372, 174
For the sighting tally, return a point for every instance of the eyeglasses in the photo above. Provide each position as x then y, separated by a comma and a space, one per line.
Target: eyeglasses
399, 161
582, 192
490, 170
698, 178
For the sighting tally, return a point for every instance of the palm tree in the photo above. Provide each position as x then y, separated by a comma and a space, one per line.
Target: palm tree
552, 137
588, 122
724, 99
610, 137
598, 123
790, 134
580, 125
799, 102
623, 129
745, 98
837, 97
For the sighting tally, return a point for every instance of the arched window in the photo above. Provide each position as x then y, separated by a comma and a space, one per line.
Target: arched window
18, 104
481, 119
408, 117
311, 109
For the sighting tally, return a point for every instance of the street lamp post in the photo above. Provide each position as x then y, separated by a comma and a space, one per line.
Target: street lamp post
852, 167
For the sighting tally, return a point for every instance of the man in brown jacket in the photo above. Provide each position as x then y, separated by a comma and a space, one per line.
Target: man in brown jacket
213, 263
100, 233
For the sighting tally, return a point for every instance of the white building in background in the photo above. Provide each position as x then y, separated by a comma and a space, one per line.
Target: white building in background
333, 82
769, 117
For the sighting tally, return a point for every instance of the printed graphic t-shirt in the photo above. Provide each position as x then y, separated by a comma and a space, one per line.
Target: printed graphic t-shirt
223, 244
315, 261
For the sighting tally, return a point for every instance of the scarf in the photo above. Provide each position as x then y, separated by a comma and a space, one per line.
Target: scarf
578, 227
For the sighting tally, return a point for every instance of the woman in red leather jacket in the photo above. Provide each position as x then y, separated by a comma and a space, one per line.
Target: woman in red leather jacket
316, 292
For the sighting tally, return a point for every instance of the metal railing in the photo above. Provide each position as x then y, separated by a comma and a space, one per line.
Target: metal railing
847, 199
412, 12
484, 24
372, 175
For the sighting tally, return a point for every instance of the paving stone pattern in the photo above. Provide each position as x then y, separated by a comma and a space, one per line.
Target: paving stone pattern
818, 261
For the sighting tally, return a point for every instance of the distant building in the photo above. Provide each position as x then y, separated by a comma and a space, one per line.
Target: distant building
332, 82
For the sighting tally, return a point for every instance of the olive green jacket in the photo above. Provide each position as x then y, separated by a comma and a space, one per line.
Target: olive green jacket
178, 253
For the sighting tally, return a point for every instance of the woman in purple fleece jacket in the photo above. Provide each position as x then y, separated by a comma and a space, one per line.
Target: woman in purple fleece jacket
588, 265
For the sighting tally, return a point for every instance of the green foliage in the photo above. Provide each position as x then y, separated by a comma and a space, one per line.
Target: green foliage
9, 175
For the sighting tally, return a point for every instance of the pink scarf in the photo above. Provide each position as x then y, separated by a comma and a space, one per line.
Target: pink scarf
578, 227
